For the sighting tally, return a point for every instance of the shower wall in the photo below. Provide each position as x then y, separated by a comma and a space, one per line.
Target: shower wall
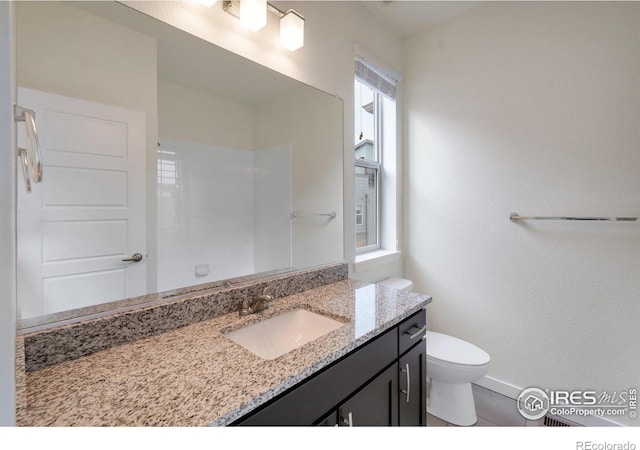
221, 212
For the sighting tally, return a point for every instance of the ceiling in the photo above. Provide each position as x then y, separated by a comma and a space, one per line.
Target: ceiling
408, 17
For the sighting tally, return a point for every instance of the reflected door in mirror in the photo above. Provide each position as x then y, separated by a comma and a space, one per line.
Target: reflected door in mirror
88, 214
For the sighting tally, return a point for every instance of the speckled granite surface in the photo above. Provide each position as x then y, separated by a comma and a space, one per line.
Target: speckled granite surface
21, 378
195, 376
69, 341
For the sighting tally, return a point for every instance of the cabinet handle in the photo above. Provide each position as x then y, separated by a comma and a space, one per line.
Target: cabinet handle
408, 391
417, 333
349, 420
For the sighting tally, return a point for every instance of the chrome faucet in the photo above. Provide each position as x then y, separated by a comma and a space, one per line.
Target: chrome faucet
255, 304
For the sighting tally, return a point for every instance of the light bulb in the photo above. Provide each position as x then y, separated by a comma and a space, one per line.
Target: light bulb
253, 14
207, 3
292, 30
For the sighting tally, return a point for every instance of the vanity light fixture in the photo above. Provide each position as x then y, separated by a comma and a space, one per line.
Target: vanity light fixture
291, 22
207, 3
291, 30
253, 14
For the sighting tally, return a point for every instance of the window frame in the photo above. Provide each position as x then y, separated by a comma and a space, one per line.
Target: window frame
376, 165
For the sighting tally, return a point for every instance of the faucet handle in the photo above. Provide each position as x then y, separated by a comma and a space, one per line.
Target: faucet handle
268, 290
244, 306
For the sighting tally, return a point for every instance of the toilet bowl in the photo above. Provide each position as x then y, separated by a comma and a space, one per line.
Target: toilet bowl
452, 364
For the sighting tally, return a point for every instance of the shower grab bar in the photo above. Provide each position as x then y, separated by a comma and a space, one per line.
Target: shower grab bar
296, 214
24, 162
514, 217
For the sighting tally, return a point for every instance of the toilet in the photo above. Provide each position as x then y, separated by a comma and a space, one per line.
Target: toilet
452, 365
401, 284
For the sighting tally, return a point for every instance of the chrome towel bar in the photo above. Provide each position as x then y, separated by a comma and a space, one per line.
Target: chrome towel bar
514, 217
296, 214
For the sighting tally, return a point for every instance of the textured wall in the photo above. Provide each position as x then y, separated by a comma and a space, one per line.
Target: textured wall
530, 107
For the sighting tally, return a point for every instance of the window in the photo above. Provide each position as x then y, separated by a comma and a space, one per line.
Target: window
374, 145
359, 219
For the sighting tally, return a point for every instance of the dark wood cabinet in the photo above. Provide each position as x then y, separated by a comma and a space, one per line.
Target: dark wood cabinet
367, 387
412, 405
330, 420
376, 404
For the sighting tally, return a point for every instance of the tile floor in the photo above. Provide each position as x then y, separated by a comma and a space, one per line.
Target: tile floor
493, 410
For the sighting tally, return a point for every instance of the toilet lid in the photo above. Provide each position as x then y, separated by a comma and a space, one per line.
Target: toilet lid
452, 350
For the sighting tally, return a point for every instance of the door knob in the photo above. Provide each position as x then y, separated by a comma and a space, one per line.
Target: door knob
136, 257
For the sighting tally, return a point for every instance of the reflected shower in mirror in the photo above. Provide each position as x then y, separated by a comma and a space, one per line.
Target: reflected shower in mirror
252, 190
169, 164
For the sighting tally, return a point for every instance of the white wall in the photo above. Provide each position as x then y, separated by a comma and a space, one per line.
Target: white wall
272, 228
7, 218
192, 115
326, 62
530, 107
316, 166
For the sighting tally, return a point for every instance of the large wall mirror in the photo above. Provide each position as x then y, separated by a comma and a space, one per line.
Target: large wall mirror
169, 164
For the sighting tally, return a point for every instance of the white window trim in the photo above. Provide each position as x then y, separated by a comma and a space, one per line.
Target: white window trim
371, 260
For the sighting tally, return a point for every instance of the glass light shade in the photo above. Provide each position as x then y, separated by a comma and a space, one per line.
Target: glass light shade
292, 30
253, 14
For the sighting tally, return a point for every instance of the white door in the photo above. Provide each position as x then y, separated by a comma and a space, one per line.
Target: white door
88, 213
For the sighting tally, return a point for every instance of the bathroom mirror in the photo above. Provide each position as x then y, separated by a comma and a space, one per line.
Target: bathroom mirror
169, 164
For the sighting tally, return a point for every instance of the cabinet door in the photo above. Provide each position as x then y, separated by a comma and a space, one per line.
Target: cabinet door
330, 420
374, 405
412, 368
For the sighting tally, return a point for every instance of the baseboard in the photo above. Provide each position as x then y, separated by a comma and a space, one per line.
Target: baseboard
501, 387
513, 391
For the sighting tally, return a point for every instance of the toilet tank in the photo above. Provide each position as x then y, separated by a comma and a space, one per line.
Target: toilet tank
402, 284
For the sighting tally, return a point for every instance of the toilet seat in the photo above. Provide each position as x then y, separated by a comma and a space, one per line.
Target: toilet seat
450, 350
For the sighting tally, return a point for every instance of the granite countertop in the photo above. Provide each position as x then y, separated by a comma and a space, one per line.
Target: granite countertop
195, 376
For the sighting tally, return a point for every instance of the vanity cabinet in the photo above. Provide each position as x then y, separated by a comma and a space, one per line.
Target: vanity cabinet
412, 404
331, 420
367, 387
376, 404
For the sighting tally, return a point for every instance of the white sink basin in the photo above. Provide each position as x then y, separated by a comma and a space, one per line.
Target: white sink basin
285, 332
